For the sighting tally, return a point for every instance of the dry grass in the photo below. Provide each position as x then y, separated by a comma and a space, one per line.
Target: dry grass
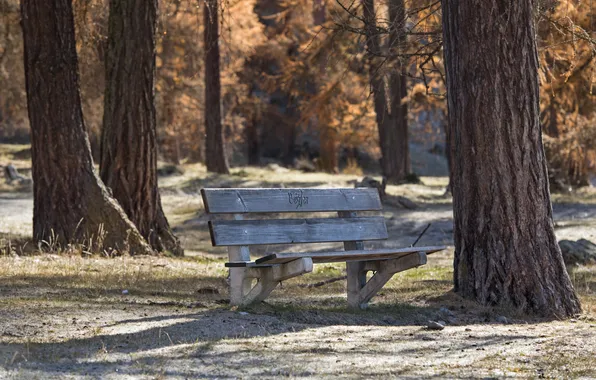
583, 195
72, 278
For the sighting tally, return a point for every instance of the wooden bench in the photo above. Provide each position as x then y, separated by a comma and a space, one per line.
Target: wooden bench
239, 234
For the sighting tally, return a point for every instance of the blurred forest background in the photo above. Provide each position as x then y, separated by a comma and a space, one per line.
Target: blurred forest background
298, 79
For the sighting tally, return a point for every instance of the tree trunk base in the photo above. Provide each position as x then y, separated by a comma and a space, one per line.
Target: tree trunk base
93, 219
164, 240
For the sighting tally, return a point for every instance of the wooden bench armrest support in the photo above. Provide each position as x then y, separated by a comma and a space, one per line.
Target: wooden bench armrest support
268, 276
384, 271
396, 265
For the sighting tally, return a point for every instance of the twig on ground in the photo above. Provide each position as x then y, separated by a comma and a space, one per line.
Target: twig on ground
420, 236
322, 283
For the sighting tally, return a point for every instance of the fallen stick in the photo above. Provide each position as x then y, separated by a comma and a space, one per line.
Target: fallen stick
322, 283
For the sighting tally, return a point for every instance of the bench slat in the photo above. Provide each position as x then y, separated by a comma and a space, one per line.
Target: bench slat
285, 231
231, 201
341, 256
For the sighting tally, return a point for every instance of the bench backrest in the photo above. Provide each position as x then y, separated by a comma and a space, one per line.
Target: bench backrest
347, 227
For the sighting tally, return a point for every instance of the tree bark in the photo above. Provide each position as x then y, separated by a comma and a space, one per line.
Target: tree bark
392, 113
506, 252
128, 161
319, 12
251, 131
328, 136
329, 143
398, 166
71, 204
215, 152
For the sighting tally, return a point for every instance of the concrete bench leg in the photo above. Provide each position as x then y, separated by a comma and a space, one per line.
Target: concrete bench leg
240, 284
241, 292
360, 291
356, 281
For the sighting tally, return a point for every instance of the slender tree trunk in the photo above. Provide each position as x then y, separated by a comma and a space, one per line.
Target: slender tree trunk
552, 125
506, 252
71, 204
252, 130
252, 139
328, 136
391, 122
290, 132
328, 140
128, 162
398, 164
319, 12
215, 146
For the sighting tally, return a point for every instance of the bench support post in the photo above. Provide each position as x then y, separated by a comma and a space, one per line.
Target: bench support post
385, 269
242, 292
355, 270
240, 283
356, 281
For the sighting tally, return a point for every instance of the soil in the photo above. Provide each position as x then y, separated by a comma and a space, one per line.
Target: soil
132, 338
55, 326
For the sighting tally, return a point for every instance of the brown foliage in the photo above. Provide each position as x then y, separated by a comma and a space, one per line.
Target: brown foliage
294, 86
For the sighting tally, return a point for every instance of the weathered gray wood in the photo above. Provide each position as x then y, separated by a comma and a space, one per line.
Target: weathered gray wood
283, 231
292, 269
355, 282
282, 272
403, 263
346, 256
255, 272
354, 270
240, 285
241, 292
261, 290
239, 234
230, 201
372, 287
387, 269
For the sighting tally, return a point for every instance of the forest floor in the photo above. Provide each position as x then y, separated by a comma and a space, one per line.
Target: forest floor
69, 316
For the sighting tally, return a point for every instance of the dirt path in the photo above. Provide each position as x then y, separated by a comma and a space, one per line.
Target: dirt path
137, 341
16, 213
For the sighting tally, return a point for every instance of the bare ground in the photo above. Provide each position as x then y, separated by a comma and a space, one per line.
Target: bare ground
67, 316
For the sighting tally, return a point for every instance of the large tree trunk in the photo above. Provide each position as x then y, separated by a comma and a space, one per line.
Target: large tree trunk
392, 122
71, 205
128, 162
506, 252
215, 146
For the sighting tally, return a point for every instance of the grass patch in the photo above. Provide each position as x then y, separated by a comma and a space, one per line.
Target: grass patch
584, 195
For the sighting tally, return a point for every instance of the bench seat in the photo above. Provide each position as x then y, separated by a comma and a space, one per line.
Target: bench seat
334, 257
